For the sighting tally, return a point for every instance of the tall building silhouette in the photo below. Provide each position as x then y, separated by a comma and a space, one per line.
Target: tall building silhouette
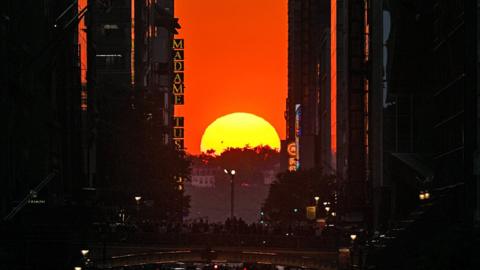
41, 164
130, 81
395, 110
327, 104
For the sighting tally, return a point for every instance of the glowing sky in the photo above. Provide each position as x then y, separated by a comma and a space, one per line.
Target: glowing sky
235, 61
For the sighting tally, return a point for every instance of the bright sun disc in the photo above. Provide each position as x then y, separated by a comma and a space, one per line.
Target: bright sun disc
239, 130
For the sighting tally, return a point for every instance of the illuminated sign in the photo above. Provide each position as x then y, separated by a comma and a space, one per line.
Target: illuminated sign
292, 156
178, 44
178, 90
178, 66
178, 78
83, 99
311, 212
298, 132
179, 132
178, 55
178, 69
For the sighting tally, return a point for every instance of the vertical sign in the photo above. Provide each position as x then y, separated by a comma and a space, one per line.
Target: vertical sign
298, 132
292, 156
178, 91
179, 132
178, 71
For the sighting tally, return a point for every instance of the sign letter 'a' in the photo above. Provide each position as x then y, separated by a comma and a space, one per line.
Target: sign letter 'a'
178, 55
178, 78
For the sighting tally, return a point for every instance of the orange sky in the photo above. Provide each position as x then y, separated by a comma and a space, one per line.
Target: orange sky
235, 61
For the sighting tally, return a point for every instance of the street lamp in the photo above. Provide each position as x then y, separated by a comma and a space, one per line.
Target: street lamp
77, 268
353, 237
137, 199
327, 208
232, 175
424, 195
316, 199
352, 249
84, 252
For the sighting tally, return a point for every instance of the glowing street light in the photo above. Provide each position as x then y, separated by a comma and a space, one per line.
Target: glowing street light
84, 252
232, 176
327, 208
316, 199
353, 237
77, 268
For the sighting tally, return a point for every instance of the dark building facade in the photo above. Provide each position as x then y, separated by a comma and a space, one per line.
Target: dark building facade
394, 97
41, 164
428, 104
41, 103
305, 22
129, 84
328, 54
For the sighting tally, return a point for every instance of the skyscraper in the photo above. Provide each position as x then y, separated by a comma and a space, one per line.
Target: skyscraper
327, 105
130, 68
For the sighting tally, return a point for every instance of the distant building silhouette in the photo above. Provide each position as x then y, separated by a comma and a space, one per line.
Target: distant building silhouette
204, 175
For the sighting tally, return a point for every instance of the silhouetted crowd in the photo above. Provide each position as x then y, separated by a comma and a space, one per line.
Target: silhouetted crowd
230, 226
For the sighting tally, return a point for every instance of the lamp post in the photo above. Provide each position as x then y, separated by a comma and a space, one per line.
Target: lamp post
137, 200
232, 175
85, 259
352, 249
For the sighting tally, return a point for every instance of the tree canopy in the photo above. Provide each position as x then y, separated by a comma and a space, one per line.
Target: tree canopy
292, 192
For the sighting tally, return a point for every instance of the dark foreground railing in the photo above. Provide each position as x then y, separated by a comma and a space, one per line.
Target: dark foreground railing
328, 242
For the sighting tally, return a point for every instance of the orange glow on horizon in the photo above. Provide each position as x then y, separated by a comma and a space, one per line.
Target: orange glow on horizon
235, 60
333, 78
238, 130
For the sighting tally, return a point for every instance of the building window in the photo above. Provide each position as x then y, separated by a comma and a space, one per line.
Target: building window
110, 61
112, 31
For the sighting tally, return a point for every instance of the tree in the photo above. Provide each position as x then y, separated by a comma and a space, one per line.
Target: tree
248, 162
142, 165
296, 190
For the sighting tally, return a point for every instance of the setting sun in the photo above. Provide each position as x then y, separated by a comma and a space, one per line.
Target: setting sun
238, 130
